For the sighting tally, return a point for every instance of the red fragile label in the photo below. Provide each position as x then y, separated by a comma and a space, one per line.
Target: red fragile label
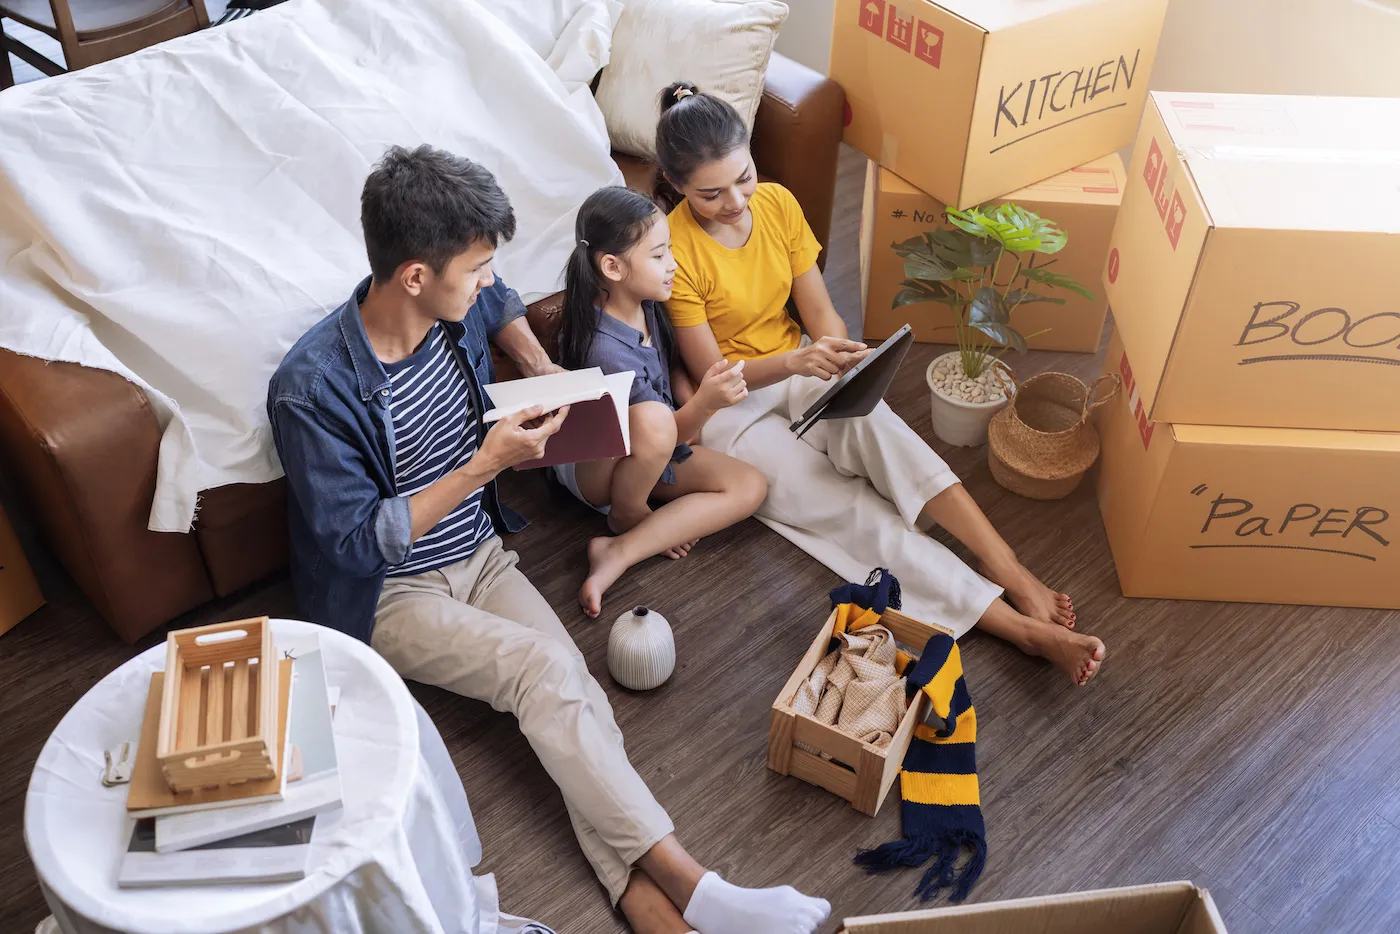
899, 31
929, 45
1155, 168
1134, 399
872, 16
1175, 219
1113, 274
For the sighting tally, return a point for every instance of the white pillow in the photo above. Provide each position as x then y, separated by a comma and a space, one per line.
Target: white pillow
721, 45
574, 37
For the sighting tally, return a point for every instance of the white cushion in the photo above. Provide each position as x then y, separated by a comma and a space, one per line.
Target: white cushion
572, 36
721, 45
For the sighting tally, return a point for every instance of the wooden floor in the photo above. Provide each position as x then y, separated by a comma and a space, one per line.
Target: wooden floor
1252, 749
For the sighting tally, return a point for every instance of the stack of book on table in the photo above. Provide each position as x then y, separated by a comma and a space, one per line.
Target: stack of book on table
251, 831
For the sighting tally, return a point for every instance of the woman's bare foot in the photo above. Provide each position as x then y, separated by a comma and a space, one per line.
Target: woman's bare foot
605, 565
1074, 653
1025, 592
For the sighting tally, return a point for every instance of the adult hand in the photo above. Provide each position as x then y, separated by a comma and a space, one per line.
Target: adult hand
541, 368
828, 357
722, 386
519, 438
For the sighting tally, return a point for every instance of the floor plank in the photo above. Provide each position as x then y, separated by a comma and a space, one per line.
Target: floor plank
1252, 749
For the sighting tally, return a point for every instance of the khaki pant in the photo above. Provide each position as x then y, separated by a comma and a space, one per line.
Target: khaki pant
479, 628
849, 493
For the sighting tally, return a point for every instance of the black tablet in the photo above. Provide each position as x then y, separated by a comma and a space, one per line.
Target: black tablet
863, 386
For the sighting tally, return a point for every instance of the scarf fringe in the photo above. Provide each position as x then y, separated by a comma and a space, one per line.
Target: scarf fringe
945, 873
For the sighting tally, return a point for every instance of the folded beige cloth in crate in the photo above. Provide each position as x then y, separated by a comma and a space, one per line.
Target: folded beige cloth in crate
855, 688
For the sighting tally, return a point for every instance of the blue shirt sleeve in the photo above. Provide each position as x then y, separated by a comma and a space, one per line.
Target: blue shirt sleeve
498, 306
354, 527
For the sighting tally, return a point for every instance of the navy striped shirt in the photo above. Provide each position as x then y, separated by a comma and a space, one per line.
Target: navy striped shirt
434, 434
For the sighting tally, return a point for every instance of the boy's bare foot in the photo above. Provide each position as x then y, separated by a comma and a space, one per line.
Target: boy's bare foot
681, 550
605, 565
1074, 653
1025, 592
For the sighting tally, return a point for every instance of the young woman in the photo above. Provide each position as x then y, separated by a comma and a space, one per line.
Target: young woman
620, 272
854, 493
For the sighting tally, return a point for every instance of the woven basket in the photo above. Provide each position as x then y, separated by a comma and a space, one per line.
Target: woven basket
1041, 444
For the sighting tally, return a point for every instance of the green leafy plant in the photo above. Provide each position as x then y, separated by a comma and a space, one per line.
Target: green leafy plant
961, 267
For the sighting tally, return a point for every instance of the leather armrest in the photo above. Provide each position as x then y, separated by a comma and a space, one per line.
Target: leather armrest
797, 138
84, 443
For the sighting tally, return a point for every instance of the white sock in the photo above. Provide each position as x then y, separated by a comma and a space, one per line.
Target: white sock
717, 907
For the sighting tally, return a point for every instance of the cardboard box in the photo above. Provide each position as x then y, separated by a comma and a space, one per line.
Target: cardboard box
857, 771
1083, 201
970, 99
1252, 515
1252, 265
1165, 908
19, 591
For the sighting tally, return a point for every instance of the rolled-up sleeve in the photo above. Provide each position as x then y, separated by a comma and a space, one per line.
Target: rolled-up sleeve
499, 305
359, 531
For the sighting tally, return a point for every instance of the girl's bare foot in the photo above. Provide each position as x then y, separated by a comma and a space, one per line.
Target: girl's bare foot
605, 565
1025, 592
681, 550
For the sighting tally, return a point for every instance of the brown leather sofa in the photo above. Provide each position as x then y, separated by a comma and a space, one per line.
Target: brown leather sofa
83, 442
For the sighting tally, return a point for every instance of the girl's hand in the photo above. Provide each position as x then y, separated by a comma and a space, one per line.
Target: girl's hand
828, 357
722, 386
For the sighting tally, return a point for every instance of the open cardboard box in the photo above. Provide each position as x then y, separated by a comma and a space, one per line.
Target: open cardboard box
1083, 202
1165, 908
857, 771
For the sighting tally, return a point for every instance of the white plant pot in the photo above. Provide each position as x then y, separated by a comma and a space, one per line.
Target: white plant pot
641, 650
957, 422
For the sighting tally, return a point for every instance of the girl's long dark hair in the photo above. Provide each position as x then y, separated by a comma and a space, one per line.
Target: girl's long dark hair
695, 128
611, 220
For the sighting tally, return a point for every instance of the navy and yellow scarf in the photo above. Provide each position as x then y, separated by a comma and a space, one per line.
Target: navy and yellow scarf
938, 780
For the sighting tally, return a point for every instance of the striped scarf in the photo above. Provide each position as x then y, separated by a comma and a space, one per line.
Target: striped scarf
938, 780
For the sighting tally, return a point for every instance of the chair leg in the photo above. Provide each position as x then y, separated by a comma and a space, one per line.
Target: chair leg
7, 74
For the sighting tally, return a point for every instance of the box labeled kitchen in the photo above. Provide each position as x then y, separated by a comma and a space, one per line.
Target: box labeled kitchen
970, 99
1252, 265
1082, 201
1163, 908
1252, 515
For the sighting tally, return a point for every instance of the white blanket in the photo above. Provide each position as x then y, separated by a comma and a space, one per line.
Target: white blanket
180, 216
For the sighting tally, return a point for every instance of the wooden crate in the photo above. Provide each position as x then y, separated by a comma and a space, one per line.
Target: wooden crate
857, 771
218, 712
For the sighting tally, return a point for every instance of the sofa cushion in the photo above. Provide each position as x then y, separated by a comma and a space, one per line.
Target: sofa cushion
722, 46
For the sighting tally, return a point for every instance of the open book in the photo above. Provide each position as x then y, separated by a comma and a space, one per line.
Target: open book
596, 426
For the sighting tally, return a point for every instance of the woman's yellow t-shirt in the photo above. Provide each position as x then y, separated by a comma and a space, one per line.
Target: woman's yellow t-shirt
743, 292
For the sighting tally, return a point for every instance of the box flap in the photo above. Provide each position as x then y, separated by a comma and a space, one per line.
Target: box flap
1387, 442
1291, 163
999, 14
1165, 908
1097, 182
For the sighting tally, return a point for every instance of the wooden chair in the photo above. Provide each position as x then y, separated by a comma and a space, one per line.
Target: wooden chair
92, 31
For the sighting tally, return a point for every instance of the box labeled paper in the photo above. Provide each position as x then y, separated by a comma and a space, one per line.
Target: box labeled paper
1251, 267
19, 591
1082, 201
1165, 908
1252, 515
970, 99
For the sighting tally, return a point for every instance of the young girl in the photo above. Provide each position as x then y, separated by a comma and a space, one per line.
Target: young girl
620, 272
854, 493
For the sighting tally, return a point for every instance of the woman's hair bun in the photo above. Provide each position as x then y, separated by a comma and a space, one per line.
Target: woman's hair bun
676, 92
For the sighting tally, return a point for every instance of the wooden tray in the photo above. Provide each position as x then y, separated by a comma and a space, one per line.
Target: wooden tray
218, 712
857, 771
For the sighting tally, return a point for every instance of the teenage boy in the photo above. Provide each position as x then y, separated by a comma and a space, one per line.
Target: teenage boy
395, 525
